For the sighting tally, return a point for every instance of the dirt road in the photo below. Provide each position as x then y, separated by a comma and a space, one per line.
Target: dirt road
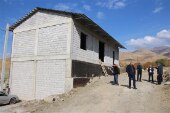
103, 97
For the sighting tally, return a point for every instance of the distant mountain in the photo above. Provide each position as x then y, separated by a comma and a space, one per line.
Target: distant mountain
145, 54
163, 50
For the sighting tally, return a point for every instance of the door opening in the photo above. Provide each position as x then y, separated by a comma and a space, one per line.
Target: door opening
101, 51
113, 57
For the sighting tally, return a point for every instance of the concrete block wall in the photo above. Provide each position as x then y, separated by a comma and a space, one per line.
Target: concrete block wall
41, 18
50, 78
91, 55
39, 54
53, 40
22, 78
42, 53
24, 44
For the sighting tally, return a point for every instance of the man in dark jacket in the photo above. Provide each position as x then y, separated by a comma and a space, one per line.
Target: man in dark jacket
139, 72
130, 69
160, 73
116, 72
150, 73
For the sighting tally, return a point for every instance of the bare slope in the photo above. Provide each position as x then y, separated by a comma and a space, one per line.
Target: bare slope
146, 55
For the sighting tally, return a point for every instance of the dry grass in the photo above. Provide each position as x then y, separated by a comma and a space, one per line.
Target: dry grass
8, 63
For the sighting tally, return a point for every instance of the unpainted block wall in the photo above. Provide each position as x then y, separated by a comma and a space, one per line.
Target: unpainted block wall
91, 55
39, 53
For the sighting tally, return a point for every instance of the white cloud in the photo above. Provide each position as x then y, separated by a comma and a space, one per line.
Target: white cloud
73, 7
158, 9
119, 4
112, 4
100, 15
164, 34
161, 38
61, 6
87, 7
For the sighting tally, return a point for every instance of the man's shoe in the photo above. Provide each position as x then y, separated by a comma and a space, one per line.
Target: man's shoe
129, 87
135, 88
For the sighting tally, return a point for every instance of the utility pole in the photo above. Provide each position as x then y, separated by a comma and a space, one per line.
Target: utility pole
4, 57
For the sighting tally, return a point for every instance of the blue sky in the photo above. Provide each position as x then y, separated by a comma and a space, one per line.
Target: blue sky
134, 23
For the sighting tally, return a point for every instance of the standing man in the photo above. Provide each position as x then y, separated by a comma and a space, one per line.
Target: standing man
139, 72
160, 73
150, 73
116, 72
130, 69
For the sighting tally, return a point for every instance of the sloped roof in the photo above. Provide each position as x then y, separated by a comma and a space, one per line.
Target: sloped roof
76, 16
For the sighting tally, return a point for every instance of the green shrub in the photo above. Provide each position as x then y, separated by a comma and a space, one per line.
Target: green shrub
163, 62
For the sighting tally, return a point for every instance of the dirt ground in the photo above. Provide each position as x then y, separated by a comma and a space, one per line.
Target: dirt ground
101, 96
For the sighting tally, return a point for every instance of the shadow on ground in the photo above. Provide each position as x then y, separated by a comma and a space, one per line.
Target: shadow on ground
125, 86
154, 82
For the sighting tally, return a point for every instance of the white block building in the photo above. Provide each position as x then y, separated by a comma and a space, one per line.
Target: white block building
50, 47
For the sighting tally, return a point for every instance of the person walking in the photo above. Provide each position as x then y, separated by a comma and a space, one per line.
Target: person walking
139, 72
116, 72
150, 73
160, 73
130, 69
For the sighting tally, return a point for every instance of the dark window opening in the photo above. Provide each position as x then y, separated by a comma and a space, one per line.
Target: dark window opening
113, 57
83, 41
101, 51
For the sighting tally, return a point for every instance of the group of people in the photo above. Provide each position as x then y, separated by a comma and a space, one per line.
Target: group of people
131, 71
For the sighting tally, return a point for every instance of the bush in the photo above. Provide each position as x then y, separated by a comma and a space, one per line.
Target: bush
147, 64
163, 62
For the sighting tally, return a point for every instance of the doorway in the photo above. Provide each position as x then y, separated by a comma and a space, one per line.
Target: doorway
113, 57
101, 51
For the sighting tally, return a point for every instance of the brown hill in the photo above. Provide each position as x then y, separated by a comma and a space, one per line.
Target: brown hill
146, 55
8, 63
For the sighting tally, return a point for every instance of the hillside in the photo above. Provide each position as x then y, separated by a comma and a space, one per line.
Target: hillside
8, 63
146, 55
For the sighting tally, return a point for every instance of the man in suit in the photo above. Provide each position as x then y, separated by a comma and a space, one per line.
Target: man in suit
130, 69
160, 73
139, 72
150, 73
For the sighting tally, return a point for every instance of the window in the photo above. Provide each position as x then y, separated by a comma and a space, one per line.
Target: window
101, 51
2, 94
83, 41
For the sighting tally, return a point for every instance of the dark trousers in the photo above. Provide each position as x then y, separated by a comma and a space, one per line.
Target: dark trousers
139, 76
151, 76
134, 81
116, 78
159, 78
